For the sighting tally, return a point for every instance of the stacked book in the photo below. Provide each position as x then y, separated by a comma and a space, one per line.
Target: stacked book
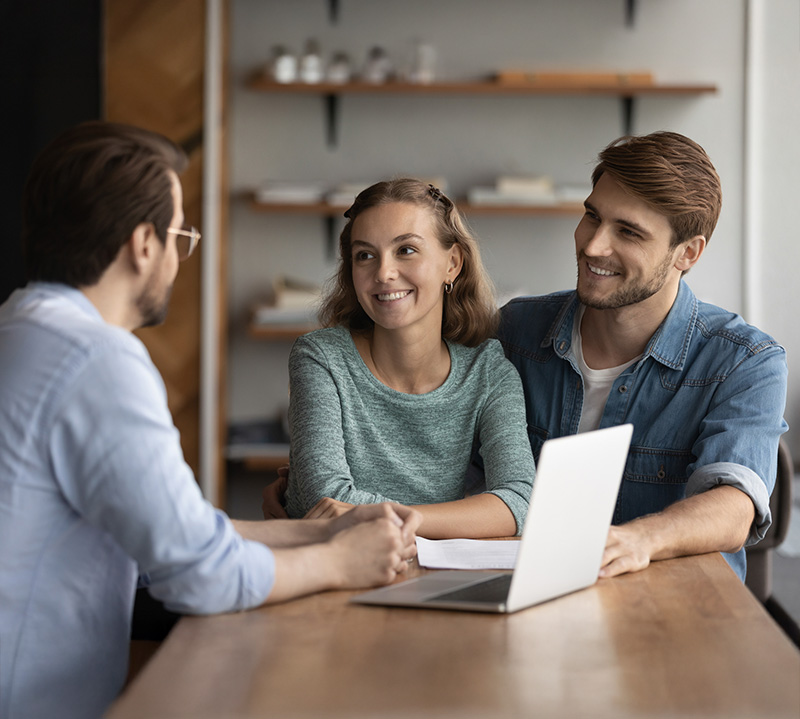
509, 190
294, 302
289, 193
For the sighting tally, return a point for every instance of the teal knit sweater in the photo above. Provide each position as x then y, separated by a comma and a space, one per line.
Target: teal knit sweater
356, 440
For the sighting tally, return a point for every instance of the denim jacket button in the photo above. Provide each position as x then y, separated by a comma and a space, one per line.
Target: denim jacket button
623, 389
562, 345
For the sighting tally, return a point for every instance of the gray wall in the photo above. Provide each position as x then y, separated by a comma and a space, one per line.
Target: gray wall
470, 140
775, 176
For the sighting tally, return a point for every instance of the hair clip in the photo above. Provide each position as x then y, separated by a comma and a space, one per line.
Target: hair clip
436, 193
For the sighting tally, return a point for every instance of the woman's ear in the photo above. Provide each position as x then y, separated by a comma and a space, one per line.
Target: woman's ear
456, 262
689, 253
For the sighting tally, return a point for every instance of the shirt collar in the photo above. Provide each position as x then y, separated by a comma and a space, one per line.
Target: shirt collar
72, 294
560, 333
669, 342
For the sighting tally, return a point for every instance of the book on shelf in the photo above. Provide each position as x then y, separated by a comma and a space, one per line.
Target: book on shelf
294, 302
573, 193
526, 191
289, 193
531, 190
344, 194
583, 78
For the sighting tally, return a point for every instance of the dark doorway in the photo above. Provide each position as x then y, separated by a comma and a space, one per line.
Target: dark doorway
50, 79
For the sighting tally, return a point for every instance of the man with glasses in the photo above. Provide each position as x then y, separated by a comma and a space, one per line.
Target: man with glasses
94, 490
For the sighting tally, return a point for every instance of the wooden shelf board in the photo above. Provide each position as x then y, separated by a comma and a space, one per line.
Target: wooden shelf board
326, 210
259, 83
278, 332
562, 208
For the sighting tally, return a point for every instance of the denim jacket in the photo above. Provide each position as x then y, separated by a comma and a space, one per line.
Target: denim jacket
706, 401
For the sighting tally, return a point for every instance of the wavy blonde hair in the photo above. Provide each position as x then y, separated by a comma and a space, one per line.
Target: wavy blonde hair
470, 311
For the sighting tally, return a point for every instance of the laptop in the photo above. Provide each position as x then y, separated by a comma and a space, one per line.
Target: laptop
561, 548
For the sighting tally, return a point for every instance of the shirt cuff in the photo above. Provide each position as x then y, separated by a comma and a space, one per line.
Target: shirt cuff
261, 577
745, 480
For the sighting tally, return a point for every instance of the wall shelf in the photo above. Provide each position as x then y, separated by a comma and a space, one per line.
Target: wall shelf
259, 83
323, 209
330, 212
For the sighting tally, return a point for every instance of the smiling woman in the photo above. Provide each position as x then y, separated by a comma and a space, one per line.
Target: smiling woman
392, 398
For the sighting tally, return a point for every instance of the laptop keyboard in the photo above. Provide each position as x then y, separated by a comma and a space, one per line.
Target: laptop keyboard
492, 591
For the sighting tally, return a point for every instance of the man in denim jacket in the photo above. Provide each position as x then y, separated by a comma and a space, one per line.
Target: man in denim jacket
704, 390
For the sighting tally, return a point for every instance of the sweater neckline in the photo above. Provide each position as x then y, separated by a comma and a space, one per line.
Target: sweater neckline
351, 347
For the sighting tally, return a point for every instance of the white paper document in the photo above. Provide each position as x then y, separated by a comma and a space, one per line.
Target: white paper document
467, 553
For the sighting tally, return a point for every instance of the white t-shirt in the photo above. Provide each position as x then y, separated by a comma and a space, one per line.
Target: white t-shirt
597, 383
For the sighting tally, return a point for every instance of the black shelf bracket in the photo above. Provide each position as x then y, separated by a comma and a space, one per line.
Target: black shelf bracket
333, 11
330, 237
630, 12
331, 101
627, 114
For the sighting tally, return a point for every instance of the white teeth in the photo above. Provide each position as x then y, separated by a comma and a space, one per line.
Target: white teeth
393, 296
601, 271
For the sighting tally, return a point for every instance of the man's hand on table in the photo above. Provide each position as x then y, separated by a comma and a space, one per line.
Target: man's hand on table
626, 551
368, 546
374, 542
406, 519
717, 520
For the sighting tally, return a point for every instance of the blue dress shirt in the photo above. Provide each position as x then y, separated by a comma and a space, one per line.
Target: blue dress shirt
706, 401
94, 491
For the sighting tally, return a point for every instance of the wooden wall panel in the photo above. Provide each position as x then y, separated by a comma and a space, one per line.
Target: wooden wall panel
154, 62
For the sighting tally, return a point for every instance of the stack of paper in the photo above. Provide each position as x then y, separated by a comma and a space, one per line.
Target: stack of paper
343, 194
467, 553
290, 193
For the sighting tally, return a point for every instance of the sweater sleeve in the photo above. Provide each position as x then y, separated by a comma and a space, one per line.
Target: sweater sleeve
318, 464
504, 446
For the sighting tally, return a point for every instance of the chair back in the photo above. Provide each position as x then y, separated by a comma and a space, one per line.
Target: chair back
759, 556
780, 503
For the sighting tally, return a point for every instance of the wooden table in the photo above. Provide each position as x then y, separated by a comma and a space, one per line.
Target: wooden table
683, 638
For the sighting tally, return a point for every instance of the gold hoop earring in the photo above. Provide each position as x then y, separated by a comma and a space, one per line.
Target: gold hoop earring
448, 287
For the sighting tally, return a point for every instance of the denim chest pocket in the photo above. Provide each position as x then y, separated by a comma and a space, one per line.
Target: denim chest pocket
663, 466
653, 479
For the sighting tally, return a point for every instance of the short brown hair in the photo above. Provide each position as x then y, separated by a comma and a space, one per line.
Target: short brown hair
470, 311
86, 193
670, 173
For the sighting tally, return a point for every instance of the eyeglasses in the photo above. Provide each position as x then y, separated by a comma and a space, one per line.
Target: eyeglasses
186, 241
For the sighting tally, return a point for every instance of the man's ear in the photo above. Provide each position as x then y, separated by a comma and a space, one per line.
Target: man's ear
689, 252
142, 246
